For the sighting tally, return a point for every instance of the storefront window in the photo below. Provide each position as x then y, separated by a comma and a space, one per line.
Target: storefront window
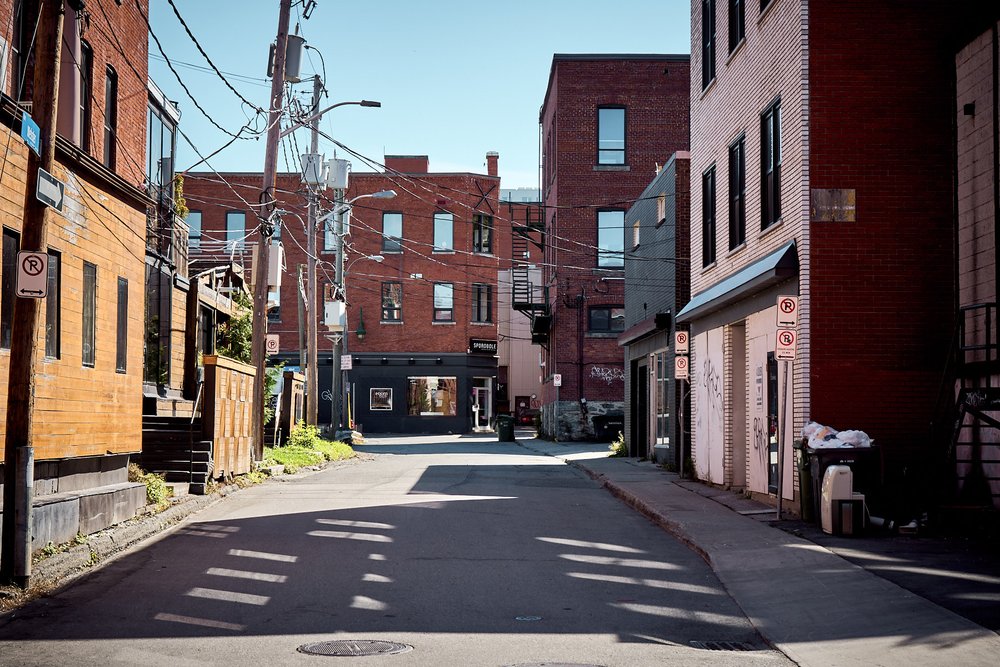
432, 396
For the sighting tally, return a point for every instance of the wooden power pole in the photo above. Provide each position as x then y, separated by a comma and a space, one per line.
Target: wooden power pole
15, 554
257, 351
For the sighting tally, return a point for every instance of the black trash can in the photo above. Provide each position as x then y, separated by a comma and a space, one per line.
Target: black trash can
865, 464
505, 428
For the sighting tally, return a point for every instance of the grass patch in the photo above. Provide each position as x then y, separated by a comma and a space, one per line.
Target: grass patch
305, 448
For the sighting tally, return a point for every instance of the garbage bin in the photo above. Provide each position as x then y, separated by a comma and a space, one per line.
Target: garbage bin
864, 462
505, 428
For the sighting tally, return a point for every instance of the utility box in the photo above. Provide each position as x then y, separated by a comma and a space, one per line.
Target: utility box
842, 511
313, 169
338, 174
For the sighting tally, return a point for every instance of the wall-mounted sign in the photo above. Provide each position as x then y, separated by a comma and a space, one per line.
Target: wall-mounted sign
834, 205
557, 380
380, 398
482, 346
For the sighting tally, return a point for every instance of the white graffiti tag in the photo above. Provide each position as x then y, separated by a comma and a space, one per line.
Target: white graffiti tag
607, 374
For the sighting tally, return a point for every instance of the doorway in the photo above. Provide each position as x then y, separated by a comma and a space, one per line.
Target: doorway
772, 423
739, 403
482, 404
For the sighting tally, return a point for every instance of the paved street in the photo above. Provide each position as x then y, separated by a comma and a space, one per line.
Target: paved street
471, 551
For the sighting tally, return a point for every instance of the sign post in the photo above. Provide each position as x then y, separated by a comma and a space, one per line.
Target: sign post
784, 349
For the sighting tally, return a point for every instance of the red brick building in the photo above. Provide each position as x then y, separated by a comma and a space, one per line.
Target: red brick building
818, 175
607, 122
420, 281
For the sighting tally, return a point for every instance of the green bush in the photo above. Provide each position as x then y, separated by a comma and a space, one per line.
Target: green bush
157, 491
293, 457
306, 448
335, 450
618, 447
304, 435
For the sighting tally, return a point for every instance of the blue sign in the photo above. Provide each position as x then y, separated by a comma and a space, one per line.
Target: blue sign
31, 133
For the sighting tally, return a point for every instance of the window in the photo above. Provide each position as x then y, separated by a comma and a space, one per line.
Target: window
11, 244
482, 233
606, 319
444, 232
611, 135
737, 24
236, 231
52, 307
392, 302
611, 239
432, 396
160, 132
661, 209
110, 116
194, 230
737, 194
664, 379
444, 302
89, 337
707, 42
392, 232
86, 90
121, 328
482, 303
770, 172
635, 234
708, 217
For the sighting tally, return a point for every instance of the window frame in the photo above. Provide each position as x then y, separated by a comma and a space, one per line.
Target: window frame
709, 43
390, 242
482, 300
444, 225
770, 171
482, 234
194, 240
737, 23
444, 313
53, 306
607, 258
737, 192
121, 327
609, 319
709, 216
84, 113
236, 239
392, 309
110, 117
620, 152
88, 329
11, 246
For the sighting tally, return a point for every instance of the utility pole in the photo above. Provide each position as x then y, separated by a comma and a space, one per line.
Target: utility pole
338, 342
257, 351
15, 553
312, 379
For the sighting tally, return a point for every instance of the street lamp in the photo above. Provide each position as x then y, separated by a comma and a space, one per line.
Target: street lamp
312, 121
338, 343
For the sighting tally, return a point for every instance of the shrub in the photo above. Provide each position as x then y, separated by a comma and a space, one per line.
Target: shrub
618, 447
335, 450
293, 457
304, 435
157, 491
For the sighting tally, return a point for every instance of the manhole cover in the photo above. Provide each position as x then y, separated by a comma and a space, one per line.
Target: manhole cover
722, 646
354, 647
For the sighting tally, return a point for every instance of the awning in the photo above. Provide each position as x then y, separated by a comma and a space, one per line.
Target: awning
648, 326
777, 267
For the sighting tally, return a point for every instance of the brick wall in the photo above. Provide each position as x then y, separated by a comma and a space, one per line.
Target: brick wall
418, 198
654, 91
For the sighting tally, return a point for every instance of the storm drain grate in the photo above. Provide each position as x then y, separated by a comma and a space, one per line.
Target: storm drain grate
354, 648
722, 646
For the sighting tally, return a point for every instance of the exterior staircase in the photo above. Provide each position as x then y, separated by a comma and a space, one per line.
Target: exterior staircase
174, 447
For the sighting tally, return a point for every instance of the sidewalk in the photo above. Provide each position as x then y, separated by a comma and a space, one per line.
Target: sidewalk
815, 606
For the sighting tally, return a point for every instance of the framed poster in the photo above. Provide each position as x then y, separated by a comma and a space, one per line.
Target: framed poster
380, 398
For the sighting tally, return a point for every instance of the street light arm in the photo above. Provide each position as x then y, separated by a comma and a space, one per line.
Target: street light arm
319, 114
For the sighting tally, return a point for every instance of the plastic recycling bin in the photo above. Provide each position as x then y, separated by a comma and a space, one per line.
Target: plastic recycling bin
505, 428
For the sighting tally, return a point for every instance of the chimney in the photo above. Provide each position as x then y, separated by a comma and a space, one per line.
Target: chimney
491, 162
407, 164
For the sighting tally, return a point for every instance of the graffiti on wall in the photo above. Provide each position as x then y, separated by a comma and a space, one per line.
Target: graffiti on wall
607, 374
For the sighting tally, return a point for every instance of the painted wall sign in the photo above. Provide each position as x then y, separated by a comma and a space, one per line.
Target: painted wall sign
482, 346
833, 205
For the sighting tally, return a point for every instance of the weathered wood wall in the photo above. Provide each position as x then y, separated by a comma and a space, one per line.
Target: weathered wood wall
226, 418
83, 411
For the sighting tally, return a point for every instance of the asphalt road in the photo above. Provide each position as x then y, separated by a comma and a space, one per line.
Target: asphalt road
471, 552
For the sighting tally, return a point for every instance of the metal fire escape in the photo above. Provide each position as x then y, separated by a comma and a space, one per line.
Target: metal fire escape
526, 296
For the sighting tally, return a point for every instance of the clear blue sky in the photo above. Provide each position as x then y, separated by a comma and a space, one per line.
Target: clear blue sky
456, 78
